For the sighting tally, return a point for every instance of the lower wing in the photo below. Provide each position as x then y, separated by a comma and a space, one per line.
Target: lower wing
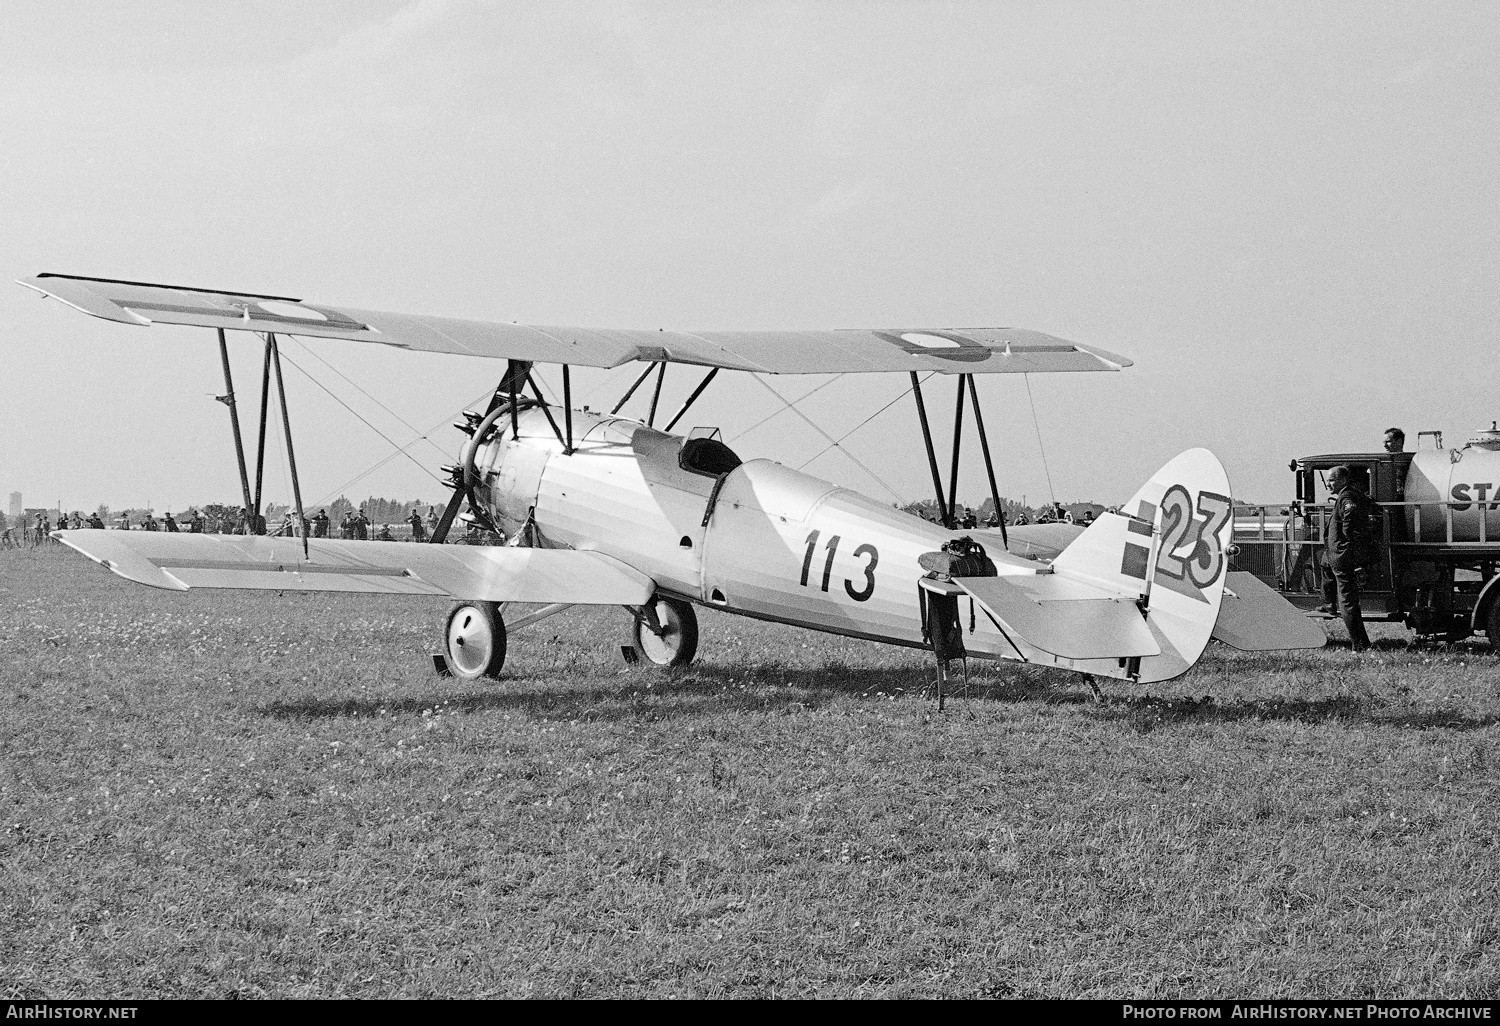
179, 562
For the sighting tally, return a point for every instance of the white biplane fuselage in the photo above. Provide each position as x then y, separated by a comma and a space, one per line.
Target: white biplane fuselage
768, 541
759, 539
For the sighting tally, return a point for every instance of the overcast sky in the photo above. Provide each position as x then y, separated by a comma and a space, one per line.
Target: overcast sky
1285, 214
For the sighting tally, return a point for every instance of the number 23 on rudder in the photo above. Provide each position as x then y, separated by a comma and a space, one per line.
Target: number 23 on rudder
1204, 562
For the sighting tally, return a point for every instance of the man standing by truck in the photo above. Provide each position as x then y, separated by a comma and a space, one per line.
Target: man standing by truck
1351, 546
1395, 441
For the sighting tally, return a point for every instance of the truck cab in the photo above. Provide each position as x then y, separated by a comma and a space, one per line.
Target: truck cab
1381, 476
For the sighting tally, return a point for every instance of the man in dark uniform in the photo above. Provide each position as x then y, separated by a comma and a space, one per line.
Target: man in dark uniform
1395, 441
418, 530
171, 523
361, 526
320, 524
1350, 547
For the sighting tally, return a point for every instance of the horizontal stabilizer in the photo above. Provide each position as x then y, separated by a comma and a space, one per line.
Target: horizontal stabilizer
1033, 541
1067, 618
1254, 618
178, 562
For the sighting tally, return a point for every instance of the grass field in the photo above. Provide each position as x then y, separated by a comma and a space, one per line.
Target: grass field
226, 794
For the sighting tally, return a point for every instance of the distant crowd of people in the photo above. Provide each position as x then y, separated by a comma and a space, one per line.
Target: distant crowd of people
355, 525
29, 533
1056, 513
38, 530
968, 520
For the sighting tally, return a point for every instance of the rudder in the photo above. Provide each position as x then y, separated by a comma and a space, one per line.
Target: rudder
1168, 545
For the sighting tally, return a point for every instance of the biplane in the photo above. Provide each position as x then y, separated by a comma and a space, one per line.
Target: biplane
603, 509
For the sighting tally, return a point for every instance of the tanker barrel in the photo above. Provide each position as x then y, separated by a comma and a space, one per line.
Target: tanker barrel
1453, 495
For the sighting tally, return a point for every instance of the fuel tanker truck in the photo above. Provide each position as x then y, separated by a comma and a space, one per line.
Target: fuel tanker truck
1436, 525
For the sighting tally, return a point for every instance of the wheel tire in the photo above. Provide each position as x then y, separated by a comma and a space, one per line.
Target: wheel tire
474, 641
678, 642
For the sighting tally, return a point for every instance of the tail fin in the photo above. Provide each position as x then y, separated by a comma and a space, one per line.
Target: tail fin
1167, 545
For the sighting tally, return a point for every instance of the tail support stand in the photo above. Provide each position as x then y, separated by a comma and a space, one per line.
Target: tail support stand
942, 629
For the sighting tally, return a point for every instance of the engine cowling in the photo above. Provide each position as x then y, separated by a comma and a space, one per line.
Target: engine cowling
510, 467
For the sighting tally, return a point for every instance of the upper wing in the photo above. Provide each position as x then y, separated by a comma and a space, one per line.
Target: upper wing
833, 351
178, 562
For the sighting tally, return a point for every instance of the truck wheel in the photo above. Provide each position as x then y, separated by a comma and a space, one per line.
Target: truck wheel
677, 643
474, 641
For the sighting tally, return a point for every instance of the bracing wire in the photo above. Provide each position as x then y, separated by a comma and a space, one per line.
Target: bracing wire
399, 452
583, 396
862, 423
550, 395
1037, 425
788, 406
355, 385
854, 459
400, 449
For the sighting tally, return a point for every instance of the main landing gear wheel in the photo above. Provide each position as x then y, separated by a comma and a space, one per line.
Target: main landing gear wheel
474, 641
677, 641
